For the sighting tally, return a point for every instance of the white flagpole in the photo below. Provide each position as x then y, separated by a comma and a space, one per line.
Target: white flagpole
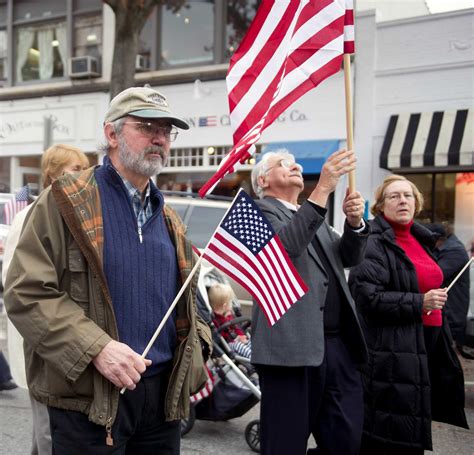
181, 291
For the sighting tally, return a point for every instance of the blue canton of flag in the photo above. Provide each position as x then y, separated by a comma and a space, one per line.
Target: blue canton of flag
210, 120
246, 223
247, 249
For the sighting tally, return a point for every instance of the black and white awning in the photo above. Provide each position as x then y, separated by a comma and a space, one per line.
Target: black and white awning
429, 142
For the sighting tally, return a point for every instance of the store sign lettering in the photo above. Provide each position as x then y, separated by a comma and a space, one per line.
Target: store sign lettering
9, 128
224, 120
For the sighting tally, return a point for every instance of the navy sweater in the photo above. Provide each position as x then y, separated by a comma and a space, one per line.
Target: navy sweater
142, 276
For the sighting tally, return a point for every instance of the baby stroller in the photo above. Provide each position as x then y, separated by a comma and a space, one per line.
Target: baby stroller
232, 388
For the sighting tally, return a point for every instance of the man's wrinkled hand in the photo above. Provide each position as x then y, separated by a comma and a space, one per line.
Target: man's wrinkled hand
120, 364
353, 207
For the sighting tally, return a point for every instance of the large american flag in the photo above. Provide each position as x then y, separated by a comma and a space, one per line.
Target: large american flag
11, 208
246, 248
290, 47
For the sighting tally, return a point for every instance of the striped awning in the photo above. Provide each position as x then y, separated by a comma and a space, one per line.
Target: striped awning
429, 142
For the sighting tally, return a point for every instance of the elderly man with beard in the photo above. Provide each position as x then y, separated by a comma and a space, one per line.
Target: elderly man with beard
99, 262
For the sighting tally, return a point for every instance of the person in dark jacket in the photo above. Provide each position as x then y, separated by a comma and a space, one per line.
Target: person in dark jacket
452, 256
413, 375
307, 362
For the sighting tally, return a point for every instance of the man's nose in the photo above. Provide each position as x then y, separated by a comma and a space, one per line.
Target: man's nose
159, 137
295, 167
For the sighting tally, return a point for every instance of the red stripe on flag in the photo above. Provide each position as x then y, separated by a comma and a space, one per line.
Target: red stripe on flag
267, 310
256, 82
284, 299
327, 70
252, 274
261, 59
249, 38
289, 263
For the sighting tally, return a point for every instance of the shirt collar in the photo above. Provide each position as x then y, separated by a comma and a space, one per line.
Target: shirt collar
152, 191
289, 205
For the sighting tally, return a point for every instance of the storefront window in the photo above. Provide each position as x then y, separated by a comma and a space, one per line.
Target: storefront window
146, 41
3, 55
188, 34
444, 197
449, 199
41, 52
81, 5
88, 36
424, 182
239, 17
4, 175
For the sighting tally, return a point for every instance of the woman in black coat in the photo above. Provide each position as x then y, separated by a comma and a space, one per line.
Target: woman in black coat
413, 375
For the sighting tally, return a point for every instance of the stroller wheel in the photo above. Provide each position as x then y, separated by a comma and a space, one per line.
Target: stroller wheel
187, 424
252, 435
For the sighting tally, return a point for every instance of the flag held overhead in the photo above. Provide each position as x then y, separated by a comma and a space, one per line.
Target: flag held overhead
290, 48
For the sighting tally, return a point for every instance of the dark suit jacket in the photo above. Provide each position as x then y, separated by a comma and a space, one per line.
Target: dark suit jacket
297, 339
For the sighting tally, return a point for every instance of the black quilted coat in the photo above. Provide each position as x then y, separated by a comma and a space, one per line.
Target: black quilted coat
401, 394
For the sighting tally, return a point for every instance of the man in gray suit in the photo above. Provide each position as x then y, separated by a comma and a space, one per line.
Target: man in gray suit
307, 360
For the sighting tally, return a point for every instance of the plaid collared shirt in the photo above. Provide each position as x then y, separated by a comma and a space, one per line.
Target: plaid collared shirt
144, 211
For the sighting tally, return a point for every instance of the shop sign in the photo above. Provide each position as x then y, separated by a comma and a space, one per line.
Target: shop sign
287, 117
25, 127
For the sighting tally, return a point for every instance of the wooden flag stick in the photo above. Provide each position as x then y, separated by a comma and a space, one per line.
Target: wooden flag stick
170, 310
183, 287
349, 119
457, 276
460, 273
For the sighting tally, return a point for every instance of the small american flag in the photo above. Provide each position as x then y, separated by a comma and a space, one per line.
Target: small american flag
210, 120
246, 248
12, 207
207, 389
290, 48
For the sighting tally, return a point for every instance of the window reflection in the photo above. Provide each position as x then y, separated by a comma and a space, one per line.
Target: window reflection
239, 17
88, 36
202, 224
188, 34
41, 52
3, 55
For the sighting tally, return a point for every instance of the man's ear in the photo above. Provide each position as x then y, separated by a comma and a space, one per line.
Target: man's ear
261, 181
110, 135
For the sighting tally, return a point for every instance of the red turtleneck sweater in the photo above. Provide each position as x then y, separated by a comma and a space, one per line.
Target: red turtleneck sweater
429, 274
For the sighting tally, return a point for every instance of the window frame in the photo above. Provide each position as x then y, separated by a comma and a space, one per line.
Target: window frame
69, 17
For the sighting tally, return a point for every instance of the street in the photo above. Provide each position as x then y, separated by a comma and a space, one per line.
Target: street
218, 437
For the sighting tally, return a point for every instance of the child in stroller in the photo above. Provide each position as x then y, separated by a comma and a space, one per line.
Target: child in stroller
232, 388
220, 298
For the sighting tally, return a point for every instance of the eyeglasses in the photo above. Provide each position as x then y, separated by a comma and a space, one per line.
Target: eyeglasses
151, 130
392, 197
287, 164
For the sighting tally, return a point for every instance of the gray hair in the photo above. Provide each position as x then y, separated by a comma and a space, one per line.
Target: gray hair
262, 167
118, 127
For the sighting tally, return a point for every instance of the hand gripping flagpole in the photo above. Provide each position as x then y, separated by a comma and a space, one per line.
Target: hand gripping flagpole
349, 118
181, 291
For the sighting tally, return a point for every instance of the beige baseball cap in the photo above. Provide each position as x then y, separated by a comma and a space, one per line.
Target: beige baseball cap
143, 102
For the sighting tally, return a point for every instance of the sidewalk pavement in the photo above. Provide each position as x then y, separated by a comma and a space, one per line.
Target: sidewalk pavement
209, 438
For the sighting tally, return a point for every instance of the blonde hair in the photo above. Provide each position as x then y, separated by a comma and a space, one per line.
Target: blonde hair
56, 158
376, 208
219, 294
